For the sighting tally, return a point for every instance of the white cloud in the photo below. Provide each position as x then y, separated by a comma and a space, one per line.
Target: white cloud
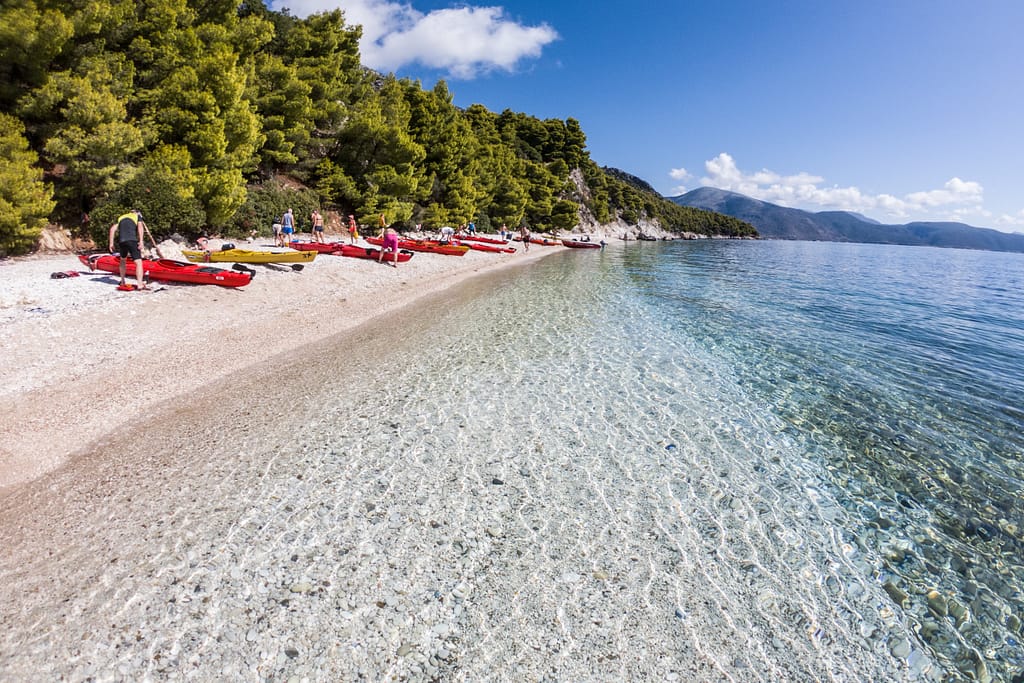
680, 175
1015, 221
957, 199
464, 41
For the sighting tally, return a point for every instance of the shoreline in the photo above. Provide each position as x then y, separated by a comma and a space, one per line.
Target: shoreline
83, 360
340, 515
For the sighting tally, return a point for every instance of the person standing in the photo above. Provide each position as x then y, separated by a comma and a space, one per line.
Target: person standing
471, 228
383, 225
318, 225
129, 230
524, 234
287, 227
353, 229
390, 246
504, 231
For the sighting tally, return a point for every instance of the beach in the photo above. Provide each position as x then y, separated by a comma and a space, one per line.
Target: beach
82, 359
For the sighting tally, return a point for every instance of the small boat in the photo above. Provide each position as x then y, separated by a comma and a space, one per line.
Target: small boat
371, 253
428, 246
246, 256
481, 238
546, 241
168, 270
320, 247
476, 246
581, 244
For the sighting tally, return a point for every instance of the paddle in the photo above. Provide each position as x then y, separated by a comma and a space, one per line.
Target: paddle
243, 269
276, 266
155, 247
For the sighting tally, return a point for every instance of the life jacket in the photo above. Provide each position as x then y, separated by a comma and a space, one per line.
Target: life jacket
128, 227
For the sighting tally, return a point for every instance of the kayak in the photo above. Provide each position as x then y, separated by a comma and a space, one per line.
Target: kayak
321, 247
581, 244
481, 238
486, 247
547, 242
246, 256
429, 246
167, 270
370, 253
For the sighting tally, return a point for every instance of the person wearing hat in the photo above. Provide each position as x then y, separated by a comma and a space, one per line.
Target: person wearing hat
129, 230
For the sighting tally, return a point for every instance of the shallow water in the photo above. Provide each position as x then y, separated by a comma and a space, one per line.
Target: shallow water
898, 371
682, 461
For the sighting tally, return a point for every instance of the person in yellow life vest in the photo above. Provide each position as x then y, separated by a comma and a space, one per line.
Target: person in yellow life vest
129, 230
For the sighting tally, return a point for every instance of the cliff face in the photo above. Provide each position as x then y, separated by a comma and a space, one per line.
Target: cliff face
619, 205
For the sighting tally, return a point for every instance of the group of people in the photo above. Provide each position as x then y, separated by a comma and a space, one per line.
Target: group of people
128, 231
284, 229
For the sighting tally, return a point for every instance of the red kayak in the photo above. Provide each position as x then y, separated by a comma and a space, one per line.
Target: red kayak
166, 270
481, 238
370, 253
540, 240
581, 244
486, 247
339, 249
429, 246
321, 247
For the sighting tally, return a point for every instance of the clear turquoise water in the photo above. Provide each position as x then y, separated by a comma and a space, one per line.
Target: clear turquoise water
693, 461
847, 418
900, 371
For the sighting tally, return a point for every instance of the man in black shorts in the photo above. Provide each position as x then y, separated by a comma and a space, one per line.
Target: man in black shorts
129, 230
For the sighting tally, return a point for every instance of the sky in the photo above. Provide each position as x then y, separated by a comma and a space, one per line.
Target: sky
900, 110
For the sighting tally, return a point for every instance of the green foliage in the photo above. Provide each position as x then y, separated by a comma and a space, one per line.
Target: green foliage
162, 189
25, 201
266, 203
30, 38
92, 143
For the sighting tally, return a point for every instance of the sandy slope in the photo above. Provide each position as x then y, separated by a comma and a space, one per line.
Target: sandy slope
81, 358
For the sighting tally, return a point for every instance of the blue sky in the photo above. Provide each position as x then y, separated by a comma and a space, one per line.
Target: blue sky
900, 110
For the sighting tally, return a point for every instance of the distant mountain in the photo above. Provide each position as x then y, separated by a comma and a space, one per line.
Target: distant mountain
778, 222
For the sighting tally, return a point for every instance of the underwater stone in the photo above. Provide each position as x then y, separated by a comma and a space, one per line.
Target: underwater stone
937, 604
897, 595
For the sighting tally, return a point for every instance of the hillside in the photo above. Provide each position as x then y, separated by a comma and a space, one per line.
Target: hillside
778, 222
195, 117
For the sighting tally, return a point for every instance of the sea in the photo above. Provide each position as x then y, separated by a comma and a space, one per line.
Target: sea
844, 416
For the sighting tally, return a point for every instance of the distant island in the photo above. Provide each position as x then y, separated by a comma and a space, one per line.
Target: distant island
778, 222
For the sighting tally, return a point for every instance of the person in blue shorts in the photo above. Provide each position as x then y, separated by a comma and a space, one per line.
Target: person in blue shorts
287, 227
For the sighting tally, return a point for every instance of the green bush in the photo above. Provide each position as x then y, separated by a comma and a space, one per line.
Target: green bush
265, 205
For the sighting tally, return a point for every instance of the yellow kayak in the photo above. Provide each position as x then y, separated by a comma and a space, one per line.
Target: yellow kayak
246, 256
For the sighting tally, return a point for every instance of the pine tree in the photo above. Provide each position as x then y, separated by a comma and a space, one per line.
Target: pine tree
25, 201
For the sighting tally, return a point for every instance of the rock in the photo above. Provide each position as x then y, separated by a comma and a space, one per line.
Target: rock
937, 604
900, 648
897, 595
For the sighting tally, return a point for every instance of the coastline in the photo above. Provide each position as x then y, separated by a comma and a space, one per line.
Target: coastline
341, 515
82, 359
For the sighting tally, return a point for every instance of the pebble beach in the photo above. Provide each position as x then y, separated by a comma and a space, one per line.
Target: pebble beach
311, 479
